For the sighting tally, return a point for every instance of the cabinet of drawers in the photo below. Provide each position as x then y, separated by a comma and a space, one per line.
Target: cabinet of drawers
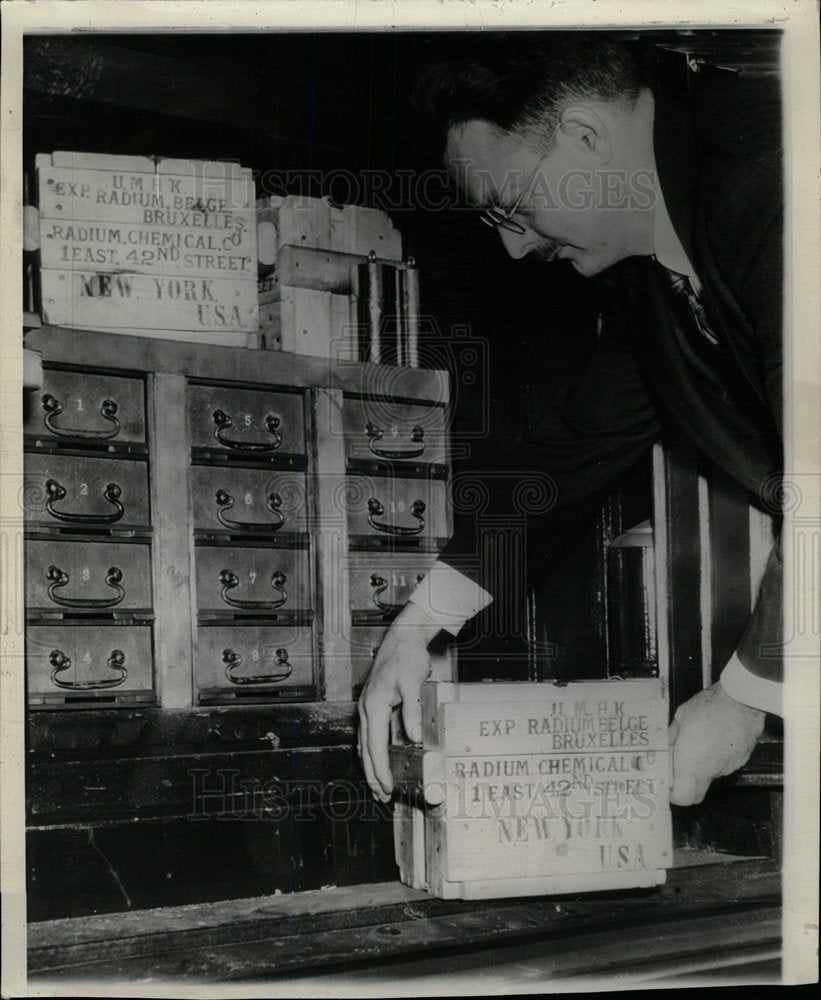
253, 660
380, 429
89, 538
394, 510
248, 501
252, 422
84, 406
210, 525
89, 576
237, 580
251, 518
396, 507
85, 492
82, 664
380, 583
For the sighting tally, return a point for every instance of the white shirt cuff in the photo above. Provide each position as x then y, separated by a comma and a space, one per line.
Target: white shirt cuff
449, 597
749, 689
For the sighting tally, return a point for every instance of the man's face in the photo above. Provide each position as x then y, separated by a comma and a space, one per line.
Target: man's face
571, 207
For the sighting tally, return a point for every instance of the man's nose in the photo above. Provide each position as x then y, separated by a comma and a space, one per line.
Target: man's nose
516, 245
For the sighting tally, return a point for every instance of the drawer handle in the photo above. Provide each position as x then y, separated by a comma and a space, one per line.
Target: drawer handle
375, 509
230, 580
222, 422
108, 411
225, 502
59, 578
380, 585
233, 661
60, 662
375, 434
111, 493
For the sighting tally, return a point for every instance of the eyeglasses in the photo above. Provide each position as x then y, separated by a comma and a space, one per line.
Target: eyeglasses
502, 218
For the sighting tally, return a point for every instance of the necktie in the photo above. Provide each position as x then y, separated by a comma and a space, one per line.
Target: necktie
681, 286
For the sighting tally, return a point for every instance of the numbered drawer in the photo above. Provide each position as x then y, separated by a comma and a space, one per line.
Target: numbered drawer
389, 510
248, 422
380, 584
241, 580
365, 641
93, 408
80, 492
87, 576
81, 663
249, 660
397, 432
249, 501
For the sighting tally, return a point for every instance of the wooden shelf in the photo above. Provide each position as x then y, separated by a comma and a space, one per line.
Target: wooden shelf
715, 911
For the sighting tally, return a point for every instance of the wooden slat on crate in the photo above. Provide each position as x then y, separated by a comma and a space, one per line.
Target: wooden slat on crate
142, 164
89, 299
137, 248
208, 191
587, 725
137, 244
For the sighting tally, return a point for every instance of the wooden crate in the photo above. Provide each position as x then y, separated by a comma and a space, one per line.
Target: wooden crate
309, 252
525, 789
148, 246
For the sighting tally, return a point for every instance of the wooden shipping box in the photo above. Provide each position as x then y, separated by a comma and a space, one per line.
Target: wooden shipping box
149, 246
527, 789
309, 252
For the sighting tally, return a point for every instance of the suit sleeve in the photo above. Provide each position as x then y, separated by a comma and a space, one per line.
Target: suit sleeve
755, 271
753, 675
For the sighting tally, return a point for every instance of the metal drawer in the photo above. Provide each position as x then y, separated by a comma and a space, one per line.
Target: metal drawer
398, 432
81, 662
87, 576
94, 409
249, 501
81, 492
380, 584
387, 510
255, 423
245, 580
252, 659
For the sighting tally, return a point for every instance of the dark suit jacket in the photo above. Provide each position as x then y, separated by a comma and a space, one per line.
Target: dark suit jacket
717, 142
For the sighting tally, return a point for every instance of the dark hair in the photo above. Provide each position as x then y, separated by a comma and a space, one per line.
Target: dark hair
519, 81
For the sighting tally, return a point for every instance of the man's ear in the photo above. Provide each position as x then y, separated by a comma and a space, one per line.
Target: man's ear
584, 135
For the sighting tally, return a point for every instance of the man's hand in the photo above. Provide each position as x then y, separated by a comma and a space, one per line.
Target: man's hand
398, 672
711, 735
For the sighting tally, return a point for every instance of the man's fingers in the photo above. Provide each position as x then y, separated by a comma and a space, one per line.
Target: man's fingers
412, 717
672, 732
684, 789
365, 757
378, 717
689, 788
